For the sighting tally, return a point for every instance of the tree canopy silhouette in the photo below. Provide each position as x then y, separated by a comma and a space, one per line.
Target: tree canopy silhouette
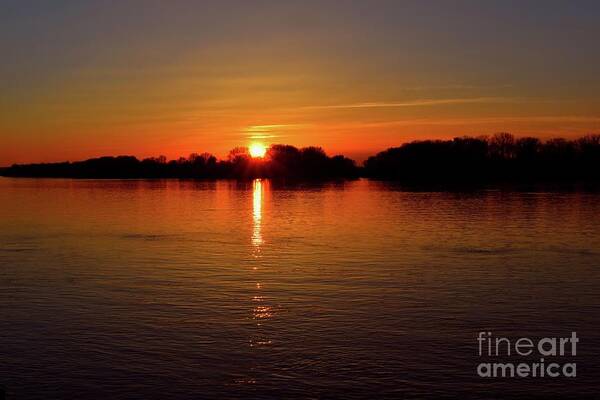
280, 162
501, 157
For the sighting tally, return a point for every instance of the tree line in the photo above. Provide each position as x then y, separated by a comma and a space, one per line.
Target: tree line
280, 162
501, 157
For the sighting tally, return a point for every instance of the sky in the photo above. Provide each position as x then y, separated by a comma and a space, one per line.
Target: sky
81, 79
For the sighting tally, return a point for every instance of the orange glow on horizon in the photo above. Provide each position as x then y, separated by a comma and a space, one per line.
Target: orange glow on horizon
247, 75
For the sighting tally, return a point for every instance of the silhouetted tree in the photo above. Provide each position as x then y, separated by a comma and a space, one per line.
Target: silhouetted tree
527, 149
502, 146
462, 159
499, 158
284, 161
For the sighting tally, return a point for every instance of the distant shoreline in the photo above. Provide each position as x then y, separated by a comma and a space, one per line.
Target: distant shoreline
464, 160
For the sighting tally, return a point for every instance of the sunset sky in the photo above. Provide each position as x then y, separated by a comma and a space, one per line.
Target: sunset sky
83, 79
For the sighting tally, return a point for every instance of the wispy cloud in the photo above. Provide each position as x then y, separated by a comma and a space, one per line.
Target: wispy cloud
262, 136
567, 119
268, 131
414, 103
267, 128
458, 86
493, 120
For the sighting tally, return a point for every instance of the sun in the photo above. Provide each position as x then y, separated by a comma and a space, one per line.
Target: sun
257, 150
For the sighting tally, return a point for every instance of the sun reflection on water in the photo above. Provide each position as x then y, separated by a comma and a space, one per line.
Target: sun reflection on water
257, 240
261, 310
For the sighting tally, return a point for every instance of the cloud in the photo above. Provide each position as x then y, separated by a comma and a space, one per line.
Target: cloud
566, 120
494, 120
267, 128
415, 103
263, 136
269, 131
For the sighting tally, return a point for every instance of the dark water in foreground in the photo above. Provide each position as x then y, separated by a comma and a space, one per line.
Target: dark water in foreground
169, 289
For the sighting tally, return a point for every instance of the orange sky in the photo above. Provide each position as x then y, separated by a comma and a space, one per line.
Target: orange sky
85, 80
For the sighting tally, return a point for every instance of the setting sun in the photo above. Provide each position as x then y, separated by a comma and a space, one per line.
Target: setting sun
257, 150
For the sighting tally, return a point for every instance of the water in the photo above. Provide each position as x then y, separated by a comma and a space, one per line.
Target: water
182, 289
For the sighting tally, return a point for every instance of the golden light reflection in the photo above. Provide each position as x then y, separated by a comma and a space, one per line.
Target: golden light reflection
265, 342
257, 240
262, 312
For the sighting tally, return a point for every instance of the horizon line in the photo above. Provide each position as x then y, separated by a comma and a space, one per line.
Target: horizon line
309, 146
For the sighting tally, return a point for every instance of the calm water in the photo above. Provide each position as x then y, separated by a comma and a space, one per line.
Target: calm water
179, 289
